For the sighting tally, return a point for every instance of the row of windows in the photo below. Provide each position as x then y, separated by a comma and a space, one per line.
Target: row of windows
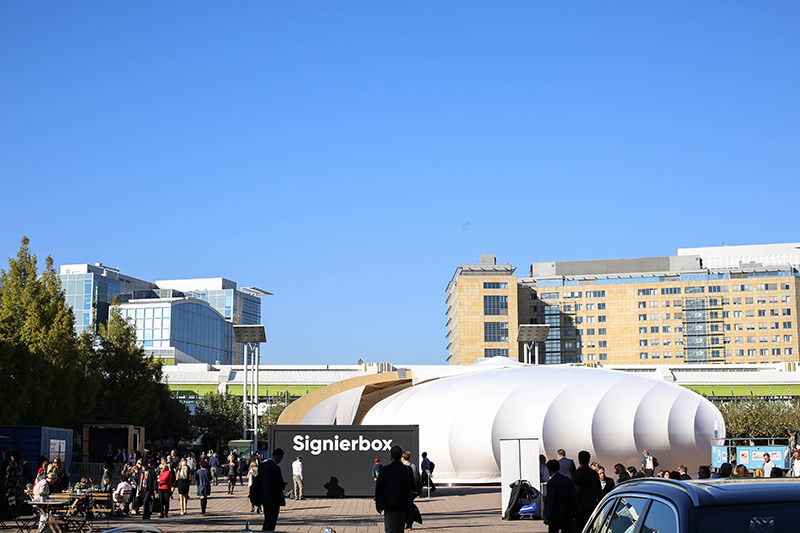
665, 316
495, 305
572, 294
495, 352
587, 344
494, 285
495, 331
660, 355
763, 351
714, 288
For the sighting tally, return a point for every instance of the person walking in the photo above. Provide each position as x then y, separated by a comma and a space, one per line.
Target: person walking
393, 492
146, 489
254, 488
164, 490
376, 470
272, 487
203, 485
233, 467
183, 479
297, 477
214, 464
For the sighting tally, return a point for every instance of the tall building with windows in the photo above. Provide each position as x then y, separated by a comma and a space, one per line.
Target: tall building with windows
729, 304
176, 320
479, 324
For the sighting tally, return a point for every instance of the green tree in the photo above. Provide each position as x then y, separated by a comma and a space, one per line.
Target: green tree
218, 417
48, 374
277, 404
757, 418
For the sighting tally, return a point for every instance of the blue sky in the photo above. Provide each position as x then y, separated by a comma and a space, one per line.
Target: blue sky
348, 156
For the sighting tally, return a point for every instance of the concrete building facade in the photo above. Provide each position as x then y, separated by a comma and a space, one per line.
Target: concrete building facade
731, 304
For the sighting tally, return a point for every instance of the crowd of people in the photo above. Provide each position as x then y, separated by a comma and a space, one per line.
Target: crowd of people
573, 493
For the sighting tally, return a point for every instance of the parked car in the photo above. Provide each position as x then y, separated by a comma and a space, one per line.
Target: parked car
659, 505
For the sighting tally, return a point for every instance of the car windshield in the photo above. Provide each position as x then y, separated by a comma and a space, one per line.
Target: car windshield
760, 518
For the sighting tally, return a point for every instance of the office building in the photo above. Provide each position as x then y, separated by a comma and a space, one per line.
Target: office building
728, 304
189, 320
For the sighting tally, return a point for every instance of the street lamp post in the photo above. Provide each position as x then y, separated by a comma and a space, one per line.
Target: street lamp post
532, 335
250, 337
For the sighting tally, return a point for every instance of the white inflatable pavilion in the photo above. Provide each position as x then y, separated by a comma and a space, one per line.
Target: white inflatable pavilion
463, 412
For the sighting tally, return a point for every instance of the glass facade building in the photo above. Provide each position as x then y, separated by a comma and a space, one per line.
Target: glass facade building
171, 320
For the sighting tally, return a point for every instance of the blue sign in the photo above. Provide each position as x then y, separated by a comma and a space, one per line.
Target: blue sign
719, 455
753, 456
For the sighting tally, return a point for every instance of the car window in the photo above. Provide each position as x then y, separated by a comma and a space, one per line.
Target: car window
660, 519
625, 515
778, 517
601, 516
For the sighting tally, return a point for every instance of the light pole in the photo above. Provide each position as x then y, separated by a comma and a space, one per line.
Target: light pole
250, 337
531, 335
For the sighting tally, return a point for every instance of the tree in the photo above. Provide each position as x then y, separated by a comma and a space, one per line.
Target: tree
219, 418
756, 418
49, 378
277, 404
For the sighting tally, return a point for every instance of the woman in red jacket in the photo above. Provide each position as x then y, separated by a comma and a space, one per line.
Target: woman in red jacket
164, 489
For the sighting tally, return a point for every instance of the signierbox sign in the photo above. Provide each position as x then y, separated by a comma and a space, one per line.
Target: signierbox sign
338, 460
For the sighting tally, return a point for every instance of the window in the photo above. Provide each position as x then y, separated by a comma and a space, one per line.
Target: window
665, 329
787, 325
751, 352
742, 288
590, 331
787, 338
654, 316
775, 325
739, 353
601, 331
665, 316
761, 300
665, 303
763, 351
602, 356
737, 327
602, 344
589, 319
590, 357
642, 318
647, 292
590, 307
495, 305
601, 318
589, 344
773, 299
748, 301
763, 338
595, 294
642, 355
717, 288
654, 329
573, 294
773, 312
654, 342
762, 312
671, 290
667, 342
767, 287
776, 351
667, 355
677, 303
549, 295
738, 340
751, 339
694, 290
737, 301
642, 305
750, 313
655, 355
776, 338
787, 312
601, 306
788, 351
494, 285
495, 352
642, 342
677, 316
678, 329
495, 331
751, 325
578, 307
726, 314
653, 303
762, 325
785, 299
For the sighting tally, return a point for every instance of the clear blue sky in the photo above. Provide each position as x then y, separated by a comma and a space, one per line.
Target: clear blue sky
348, 156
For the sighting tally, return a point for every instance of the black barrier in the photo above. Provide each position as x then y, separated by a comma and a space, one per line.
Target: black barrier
338, 460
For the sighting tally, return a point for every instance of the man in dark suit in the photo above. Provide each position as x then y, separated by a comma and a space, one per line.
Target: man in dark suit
272, 487
566, 466
587, 483
393, 492
561, 505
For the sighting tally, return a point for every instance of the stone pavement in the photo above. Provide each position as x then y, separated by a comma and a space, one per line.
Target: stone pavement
451, 509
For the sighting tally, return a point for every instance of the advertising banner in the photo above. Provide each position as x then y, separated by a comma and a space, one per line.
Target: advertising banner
753, 456
338, 460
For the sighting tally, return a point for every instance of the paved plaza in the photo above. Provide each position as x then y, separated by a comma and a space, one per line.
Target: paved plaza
473, 508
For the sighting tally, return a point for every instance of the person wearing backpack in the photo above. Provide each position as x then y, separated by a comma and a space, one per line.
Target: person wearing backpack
649, 463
